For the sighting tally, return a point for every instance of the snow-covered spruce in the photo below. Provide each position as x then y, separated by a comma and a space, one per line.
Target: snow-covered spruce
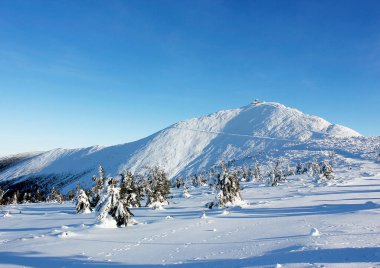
55, 196
310, 169
300, 169
290, 171
2, 193
82, 203
111, 207
242, 173
227, 190
327, 172
316, 167
157, 188
15, 198
276, 174
130, 192
179, 183
98, 188
257, 174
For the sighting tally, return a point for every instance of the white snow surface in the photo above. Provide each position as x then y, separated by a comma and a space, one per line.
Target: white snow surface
191, 146
275, 229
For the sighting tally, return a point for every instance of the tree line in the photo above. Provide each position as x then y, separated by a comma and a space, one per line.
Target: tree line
112, 198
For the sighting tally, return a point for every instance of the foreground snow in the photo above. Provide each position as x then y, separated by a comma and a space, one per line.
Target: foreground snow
297, 224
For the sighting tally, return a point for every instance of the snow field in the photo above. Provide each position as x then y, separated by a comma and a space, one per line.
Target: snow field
297, 224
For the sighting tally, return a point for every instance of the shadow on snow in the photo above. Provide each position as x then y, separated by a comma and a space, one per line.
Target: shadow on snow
289, 255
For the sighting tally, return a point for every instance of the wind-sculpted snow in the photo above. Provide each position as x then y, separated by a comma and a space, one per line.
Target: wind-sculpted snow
196, 144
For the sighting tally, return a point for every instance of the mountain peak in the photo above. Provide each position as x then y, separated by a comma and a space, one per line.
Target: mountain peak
187, 146
267, 120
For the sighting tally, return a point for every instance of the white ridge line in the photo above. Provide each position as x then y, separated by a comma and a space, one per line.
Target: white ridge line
232, 134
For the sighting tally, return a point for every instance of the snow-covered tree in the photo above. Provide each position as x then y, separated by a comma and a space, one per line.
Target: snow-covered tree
123, 215
257, 173
199, 180
272, 180
276, 174
14, 198
71, 195
245, 173
82, 203
157, 188
130, 192
2, 193
202, 179
227, 189
111, 207
39, 196
212, 178
195, 181
56, 196
290, 171
108, 201
300, 169
316, 167
179, 182
27, 198
98, 188
310, 170
185, 192
327, 172
101, 173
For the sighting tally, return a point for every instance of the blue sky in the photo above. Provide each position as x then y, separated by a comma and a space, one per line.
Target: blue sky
80, 73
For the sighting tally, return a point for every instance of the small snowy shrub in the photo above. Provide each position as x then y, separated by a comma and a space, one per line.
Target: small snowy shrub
315, 232
186, 193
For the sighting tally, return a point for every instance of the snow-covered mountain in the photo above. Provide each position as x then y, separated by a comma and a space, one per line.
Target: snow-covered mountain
196, 144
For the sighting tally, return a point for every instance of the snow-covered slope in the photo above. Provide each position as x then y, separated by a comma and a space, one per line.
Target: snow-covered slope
189, 146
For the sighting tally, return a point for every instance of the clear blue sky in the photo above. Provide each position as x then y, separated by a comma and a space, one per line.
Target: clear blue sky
80, 73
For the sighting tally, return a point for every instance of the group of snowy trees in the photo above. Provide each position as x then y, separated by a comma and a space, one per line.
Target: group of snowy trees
225, 180
227, 188
272, 174
320, 171
157, 188
222, 178
13, 196
112, 198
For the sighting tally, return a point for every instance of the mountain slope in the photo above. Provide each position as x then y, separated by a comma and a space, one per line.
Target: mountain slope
188, 146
